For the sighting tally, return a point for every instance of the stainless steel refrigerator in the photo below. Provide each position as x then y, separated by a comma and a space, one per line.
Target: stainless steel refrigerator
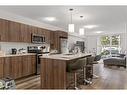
64, 45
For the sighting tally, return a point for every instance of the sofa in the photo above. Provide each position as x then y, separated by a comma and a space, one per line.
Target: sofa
119, 61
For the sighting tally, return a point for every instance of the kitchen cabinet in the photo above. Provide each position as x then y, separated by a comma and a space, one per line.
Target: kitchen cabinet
7, 67
62, 34
18, 66
25, 66
47, 36
25, 33
4, 30
33, 62
40, 32
11, 31
16, 63
55, 39
34, 30
29, 65
1, 66
14, 31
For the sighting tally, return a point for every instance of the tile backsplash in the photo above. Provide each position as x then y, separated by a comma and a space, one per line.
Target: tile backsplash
7, 46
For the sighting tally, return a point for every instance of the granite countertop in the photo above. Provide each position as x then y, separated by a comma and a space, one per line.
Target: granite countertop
11, 55
65, 56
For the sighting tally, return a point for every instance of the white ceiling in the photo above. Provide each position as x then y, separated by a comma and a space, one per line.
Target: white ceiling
111, 19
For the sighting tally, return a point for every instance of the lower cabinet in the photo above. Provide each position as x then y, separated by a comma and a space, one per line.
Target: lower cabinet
17, 66
28, 65
1, 67
7, 70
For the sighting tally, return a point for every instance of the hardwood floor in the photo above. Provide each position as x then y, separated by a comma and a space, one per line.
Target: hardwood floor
109, 78
31, 82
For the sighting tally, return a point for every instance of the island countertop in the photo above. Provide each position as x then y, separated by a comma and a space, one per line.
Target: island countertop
65, 56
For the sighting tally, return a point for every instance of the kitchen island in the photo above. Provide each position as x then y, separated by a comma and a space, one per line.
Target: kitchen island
53, 69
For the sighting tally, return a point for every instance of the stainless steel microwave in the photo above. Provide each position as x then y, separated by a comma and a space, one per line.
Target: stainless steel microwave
38, 39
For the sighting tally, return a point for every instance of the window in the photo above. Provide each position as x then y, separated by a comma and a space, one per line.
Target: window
105, 40
110, 45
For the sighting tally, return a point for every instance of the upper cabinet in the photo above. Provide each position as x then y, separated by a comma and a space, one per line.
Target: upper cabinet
4, 35
14, 31
25, 33
47, 36
11, 31
55, 39
62, 34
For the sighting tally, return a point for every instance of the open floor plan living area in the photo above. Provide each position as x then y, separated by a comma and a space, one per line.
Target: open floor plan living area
63, 47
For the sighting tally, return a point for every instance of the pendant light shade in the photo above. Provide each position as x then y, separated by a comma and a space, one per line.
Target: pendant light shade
81, 31
71, 25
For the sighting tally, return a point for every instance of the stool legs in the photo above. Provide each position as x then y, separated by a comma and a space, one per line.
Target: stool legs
88, 74
95, 76
75, 80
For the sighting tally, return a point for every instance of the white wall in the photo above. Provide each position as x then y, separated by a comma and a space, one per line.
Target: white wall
91, 42
7, 46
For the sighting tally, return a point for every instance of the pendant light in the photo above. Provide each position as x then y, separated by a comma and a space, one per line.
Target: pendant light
81, 30
71, 25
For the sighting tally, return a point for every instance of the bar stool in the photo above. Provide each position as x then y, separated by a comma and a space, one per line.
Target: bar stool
91, 61
88, 68
96, 59
74, 68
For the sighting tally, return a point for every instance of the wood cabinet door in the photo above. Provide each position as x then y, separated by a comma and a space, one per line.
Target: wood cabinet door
29, 34
47, 36
16, 63
29, 65
1, 66
8, 67
52, 40
62, 34
25, 34
40, 32
33, 64
14, 31
34, 30
25, 66
4, 30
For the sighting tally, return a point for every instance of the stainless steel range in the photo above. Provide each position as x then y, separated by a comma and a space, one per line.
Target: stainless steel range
39, 52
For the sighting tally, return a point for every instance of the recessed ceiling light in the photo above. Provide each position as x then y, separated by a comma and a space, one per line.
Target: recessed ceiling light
90, 26
50, 18
99, 32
